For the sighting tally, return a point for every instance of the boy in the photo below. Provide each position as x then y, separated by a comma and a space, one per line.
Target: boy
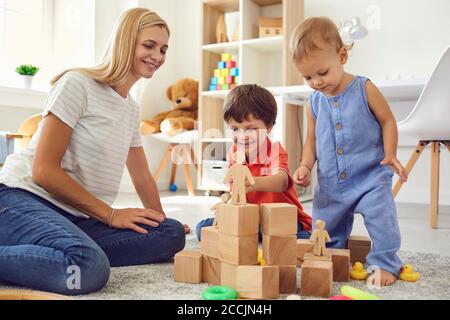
251, 111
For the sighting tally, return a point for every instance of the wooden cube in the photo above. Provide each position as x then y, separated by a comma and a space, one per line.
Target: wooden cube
341, 264
280, 250
188, 266
316, 278
258, 282
303, 246
312, 256
228, 275
238, 220
209, 245
359, 247
211, 270
241, 250
279, 219
288, 279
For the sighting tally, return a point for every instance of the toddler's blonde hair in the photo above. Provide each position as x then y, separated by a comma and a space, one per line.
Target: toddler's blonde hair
311, 33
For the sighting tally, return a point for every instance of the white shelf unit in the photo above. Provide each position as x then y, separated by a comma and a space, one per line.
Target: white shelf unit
263, 61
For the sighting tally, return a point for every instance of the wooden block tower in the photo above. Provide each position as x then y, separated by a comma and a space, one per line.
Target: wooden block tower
279, 228
238, 224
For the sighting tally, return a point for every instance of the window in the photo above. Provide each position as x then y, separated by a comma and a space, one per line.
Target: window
51, 34
24, 35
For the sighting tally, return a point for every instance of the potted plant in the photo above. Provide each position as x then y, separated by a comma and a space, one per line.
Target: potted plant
27, 71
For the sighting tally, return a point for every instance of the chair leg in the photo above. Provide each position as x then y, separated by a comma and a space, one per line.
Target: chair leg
163, 162
410, 165
173, 173
434, 200
187, 171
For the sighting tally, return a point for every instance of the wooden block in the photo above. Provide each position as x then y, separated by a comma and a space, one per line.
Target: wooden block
278, 219
258, 282
241, 250
341, 264
228, 275
288, 279
209, 246
238, 220
280, 250
316, 278
211, 270
359, 254
359, 241
312, 256
188, 266
303, 246
359, 247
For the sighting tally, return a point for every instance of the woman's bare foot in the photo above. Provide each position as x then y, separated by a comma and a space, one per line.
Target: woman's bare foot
187, 230
381, 278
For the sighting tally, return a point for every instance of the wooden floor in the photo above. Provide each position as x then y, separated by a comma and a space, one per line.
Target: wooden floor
413, 219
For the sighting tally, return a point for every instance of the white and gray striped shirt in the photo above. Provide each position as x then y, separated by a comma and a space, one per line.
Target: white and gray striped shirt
105, 125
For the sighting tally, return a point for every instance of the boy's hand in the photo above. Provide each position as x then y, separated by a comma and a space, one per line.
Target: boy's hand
302, 176
249, 187
395, 166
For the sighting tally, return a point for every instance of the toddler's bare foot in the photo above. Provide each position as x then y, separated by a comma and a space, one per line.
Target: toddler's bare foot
382, 278
187, 230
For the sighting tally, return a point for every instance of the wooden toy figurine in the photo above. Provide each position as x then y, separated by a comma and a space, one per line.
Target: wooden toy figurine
239, 173
225, 198
221, 30
320, 237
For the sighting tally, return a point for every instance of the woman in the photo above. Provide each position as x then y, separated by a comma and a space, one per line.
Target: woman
58, 231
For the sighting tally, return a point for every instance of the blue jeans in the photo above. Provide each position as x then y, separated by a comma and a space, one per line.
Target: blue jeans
45, 248
301, 234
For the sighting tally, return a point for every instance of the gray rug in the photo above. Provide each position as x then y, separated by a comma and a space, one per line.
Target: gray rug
156, 281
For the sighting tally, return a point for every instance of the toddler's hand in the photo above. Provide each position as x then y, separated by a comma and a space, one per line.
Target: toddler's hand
396, 166
302, 176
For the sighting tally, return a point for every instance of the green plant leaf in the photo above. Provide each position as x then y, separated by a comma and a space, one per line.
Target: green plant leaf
27, 70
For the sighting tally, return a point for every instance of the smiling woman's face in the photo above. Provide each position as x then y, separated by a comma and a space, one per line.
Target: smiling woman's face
150, 51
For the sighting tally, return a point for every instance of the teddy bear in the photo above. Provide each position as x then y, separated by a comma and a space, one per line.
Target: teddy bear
184, 97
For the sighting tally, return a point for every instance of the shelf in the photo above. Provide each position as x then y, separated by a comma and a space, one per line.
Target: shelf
223, 5
272, 44
219, 48
219, 140
264, 3
219, 94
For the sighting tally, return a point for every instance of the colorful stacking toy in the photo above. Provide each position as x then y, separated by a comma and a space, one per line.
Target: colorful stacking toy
226, 76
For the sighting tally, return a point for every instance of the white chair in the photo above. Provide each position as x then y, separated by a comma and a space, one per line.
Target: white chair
429, 123
180, 145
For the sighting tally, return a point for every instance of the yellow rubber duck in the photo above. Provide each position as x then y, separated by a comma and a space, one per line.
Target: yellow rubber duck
358, 272
261, 260
407, 273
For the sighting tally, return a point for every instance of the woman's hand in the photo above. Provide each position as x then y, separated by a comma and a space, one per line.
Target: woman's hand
129, 218
302, 176
395, 166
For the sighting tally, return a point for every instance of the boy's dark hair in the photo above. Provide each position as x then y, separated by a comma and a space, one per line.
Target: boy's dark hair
250, 99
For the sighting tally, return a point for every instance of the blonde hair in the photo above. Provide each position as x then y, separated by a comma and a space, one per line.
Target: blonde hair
309, 34
117, 60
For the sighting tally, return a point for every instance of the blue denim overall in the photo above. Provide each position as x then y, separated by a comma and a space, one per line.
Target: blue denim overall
349, 149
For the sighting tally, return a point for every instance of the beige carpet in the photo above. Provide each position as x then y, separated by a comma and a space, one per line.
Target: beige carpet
156, 281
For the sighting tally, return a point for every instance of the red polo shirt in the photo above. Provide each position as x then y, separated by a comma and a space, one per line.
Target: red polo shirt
267, 163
